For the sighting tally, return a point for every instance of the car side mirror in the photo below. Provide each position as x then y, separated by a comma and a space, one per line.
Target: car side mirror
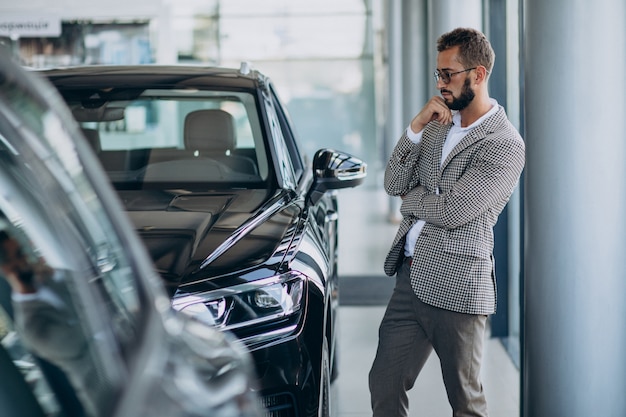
333, 170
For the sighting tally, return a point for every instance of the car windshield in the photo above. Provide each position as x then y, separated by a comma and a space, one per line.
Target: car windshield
173, 136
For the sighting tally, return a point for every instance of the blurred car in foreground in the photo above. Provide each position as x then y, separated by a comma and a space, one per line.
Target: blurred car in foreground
86, 326
240, 225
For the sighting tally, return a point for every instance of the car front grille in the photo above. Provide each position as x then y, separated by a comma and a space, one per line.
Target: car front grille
279, 405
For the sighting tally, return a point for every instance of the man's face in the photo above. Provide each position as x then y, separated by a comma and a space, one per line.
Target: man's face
456, 89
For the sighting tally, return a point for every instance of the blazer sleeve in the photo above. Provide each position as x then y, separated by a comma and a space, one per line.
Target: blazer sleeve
401, 173
489, 180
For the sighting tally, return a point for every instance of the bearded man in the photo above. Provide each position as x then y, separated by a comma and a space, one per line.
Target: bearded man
455, 167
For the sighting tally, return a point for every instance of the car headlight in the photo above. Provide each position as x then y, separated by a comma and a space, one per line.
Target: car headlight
268, 306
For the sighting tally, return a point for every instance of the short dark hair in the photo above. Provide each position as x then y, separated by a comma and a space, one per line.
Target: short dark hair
474, 47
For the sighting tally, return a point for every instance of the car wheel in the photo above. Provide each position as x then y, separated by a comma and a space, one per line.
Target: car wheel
324, 399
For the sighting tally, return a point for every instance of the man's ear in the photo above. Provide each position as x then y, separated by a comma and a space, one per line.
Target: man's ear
481, 74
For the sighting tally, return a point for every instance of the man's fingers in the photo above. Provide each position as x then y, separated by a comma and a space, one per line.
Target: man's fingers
434, 109
440, 110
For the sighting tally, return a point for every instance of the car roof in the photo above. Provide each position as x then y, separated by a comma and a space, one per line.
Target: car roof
153, 75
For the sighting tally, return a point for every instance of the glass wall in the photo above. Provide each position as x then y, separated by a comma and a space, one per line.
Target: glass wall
84, 42
320, 56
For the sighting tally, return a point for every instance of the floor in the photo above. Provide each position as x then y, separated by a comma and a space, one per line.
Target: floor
365, 234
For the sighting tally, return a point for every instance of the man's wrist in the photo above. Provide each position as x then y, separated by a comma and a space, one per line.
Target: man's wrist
416, 126
415, 137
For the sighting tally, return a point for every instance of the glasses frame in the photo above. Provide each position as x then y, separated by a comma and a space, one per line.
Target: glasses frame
446, 76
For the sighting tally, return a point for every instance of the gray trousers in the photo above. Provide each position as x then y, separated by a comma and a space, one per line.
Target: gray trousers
408, 333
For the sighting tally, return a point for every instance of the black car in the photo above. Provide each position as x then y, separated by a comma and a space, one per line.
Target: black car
86, 326
241, 226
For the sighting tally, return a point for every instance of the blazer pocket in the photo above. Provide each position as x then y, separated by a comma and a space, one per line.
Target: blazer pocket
467, 248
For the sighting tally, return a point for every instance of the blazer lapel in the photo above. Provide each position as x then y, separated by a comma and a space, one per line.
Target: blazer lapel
471, 138
477, 134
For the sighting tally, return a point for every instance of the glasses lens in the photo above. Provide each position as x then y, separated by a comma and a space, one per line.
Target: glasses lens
443, 76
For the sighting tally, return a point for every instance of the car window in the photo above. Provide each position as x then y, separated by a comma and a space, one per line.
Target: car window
174, 136
71, 308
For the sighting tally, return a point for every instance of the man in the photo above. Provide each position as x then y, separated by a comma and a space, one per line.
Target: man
455, 168
49, 327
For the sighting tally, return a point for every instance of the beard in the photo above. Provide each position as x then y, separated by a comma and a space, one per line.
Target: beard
462, 101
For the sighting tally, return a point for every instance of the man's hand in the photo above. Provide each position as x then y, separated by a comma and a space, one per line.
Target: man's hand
434, 109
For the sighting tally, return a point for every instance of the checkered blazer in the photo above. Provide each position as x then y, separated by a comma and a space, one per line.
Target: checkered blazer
453, 266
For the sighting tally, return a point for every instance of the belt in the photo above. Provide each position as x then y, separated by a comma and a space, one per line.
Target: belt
409, 260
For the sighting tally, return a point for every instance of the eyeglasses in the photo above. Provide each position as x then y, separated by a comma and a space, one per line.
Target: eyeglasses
446, 76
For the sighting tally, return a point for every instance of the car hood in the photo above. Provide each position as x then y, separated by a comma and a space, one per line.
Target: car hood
198, 233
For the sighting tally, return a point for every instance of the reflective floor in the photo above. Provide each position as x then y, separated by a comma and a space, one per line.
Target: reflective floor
365, 235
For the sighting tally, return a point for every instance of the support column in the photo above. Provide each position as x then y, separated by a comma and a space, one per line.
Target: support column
394, 123
416, 73
394, 74
166, 52
445, 15
574, 361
